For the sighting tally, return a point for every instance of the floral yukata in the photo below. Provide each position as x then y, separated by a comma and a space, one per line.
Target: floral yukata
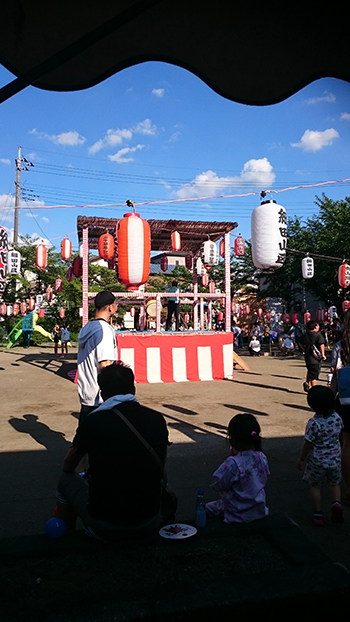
324, 460
240, 481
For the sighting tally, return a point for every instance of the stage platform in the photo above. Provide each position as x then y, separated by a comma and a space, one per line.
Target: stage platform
177, 356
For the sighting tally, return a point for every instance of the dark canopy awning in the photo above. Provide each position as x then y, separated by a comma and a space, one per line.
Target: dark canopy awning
250, 52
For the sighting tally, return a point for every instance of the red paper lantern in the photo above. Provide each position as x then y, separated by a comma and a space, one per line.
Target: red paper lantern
164, 263
320, 315
58, 285
205, 280
239, 246
346, 305
132, 311
66, 249
77, 267
344, 275
259, 313
134, 250
3, 309
62, 313
41, 313
31, 304
189, 262
307, 317
23, 308
220, 316
222, 248
294, 318
15, 309
69, 273
286, 318
176, 240
106, 246
187, 318
222, 300
49, 293
247, 309
41, 256
268, 316
211, 287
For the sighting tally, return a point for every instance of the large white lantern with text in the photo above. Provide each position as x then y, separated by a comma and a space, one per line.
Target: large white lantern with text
269, 235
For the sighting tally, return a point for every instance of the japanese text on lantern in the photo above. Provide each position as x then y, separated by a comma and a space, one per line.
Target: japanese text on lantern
309, 267
3, 259
282, 220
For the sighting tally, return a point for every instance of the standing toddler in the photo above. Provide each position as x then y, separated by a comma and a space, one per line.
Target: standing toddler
321, 452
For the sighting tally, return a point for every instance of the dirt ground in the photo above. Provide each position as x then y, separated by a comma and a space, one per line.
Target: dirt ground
38, 419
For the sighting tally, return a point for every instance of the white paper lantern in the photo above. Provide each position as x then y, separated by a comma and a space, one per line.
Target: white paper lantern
13, 262
269, 235
200, 269
307, 267
209, 253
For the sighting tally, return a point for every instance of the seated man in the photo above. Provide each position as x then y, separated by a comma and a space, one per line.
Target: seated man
124, 490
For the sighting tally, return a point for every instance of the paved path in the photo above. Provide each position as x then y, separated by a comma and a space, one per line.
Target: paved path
39, 416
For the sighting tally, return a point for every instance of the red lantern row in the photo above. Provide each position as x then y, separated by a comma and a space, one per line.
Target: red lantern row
164, 263
66, 249
134, 250
344, 275
176, 240
106, 246
239, 246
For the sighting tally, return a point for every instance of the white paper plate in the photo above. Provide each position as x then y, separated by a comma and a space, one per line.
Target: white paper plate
177, 531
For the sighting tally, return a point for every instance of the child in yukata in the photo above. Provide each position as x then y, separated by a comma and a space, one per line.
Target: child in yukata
240, 480
322, 452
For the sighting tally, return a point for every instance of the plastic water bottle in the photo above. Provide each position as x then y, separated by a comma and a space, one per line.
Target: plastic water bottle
201, 515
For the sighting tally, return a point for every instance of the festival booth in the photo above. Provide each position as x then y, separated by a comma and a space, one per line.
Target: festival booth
166, 356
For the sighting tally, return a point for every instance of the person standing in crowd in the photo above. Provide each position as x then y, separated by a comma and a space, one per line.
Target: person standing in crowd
126, 443
313, 345
340, 359
97, 348
254, 346
65, 337
56, 333
173, 306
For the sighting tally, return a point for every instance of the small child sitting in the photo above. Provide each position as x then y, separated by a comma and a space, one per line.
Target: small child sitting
242, 477
254, 346
322, 452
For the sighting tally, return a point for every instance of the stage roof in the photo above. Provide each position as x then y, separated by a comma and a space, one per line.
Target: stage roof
250, 52
193, 233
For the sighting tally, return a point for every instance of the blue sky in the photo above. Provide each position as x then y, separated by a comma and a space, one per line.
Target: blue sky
155, 132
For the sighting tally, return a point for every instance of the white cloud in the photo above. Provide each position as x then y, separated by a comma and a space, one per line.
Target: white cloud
116, 137
66, 139
6, 201
145, 127
111, 139
345, 116
120, 156
158, 92
45, 219
313, 140
326, 97
255, 172
5, 161
174, 137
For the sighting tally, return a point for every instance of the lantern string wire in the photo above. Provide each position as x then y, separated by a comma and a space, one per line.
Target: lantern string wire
311, 254
184, 200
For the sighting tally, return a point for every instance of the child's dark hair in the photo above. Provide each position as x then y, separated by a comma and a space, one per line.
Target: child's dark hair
321, 400
246, 430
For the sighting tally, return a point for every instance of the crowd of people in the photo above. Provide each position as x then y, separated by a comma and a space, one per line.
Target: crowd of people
114, 475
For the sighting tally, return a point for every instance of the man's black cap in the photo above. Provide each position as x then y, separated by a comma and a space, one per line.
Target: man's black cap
103, 299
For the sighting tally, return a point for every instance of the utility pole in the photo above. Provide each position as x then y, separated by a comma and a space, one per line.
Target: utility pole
18, 176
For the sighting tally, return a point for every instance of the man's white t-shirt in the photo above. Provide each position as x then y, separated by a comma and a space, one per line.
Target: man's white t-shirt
97, 343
